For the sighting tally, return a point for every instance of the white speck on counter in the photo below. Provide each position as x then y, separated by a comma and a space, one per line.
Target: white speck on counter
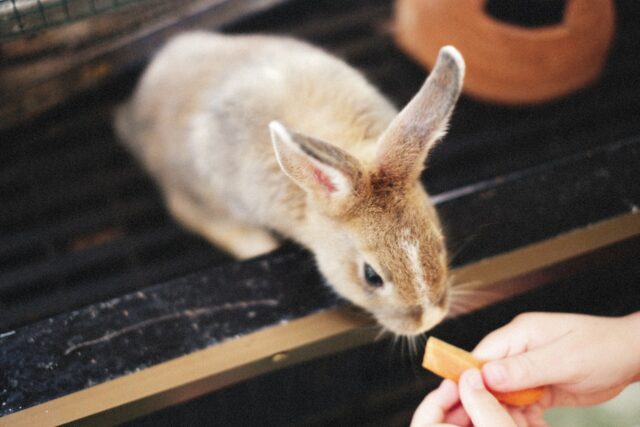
189, 313
48, 366
7, 334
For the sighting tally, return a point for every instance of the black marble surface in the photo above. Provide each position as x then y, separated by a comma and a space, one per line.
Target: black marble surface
72, 351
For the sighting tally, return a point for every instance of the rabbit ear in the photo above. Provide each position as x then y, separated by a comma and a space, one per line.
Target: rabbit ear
405, 143
322, 169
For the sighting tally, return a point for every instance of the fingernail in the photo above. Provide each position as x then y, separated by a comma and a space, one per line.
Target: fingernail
494, 373
474, 379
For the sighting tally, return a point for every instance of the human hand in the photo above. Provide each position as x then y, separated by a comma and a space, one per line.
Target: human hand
583, 360
450, 405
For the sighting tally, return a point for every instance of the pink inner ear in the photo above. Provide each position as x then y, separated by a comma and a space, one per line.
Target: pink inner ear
324, 180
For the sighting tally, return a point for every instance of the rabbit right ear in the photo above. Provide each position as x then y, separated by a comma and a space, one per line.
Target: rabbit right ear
405, 143
325, 171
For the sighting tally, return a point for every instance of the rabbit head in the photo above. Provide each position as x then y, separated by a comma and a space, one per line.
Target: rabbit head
370, 224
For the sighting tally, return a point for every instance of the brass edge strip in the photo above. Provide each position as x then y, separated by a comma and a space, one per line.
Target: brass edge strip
302, 339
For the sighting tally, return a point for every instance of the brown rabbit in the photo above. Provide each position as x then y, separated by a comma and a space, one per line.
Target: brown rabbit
210, 121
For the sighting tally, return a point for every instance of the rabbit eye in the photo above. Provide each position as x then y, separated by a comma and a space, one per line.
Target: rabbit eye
371, 276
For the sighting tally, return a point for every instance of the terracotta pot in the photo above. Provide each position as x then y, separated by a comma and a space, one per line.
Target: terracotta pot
507, 63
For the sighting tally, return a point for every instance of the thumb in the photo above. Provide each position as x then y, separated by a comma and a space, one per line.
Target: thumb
483, 409
542, 366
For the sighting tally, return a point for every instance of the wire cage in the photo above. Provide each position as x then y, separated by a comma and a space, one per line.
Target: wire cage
53, 50
23, 17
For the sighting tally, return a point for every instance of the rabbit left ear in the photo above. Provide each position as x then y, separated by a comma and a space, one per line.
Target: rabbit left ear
405, 143
325, 171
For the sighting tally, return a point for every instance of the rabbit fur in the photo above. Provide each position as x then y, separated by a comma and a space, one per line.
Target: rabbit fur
252, 137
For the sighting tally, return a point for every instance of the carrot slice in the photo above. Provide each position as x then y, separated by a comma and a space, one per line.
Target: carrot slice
448, 361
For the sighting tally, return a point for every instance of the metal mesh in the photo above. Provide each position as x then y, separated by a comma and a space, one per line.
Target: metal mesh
23, 17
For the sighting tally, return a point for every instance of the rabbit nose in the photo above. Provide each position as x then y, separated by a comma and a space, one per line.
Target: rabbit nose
432, 315
416, 313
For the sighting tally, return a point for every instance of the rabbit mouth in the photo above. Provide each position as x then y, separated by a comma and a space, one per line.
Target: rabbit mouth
413, 323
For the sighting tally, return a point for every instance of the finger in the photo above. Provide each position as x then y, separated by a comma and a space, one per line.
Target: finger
518, 417
541, 366
434, 406
458, 416
483, 409
524, 332
507, 340
561, 397
535, 416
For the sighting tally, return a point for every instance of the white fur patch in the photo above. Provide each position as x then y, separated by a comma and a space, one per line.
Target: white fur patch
273, 73
198, 143
386, 289
412, 249
281, 136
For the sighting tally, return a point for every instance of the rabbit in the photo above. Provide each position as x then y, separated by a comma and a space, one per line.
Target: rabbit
253, 138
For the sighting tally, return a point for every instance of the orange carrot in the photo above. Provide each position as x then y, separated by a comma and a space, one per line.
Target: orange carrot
450, 362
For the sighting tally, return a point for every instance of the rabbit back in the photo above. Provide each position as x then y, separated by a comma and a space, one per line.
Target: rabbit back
198, 120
